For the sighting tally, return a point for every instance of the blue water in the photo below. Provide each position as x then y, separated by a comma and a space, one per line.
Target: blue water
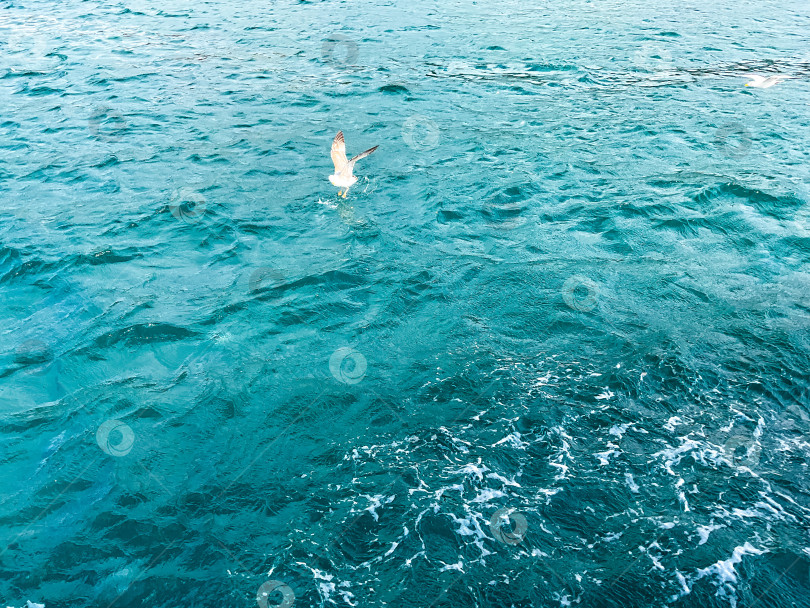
551, 350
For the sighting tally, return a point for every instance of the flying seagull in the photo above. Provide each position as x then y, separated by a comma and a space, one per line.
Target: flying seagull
343, 177
762, 82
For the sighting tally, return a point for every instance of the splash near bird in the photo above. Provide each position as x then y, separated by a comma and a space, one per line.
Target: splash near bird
762, 82
343, 177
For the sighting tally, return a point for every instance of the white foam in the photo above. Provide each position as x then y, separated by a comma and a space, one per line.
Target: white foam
458, 566
619, 430
347, 595
327, 587
477, 469
393, 548
376, 502
487, 494
543, 380
682, 495
467, 526
514, 440
410, 559
675, 455
746, 513
563, 470
604, 457
724, 569
422, 487
457, 441
503, 480
470, 526
564, 452
685, 589
656, 562
704, 532
440, 492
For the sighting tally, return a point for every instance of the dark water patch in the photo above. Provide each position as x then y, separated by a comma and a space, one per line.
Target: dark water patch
394, 89
776, 206
17, 268
106, 256
40, 91
505, 209
110, 160
144, 333
447, 216
799, 243
688, 227
332, 281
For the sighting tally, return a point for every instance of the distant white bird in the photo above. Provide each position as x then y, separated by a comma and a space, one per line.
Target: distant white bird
764, 82
343, 177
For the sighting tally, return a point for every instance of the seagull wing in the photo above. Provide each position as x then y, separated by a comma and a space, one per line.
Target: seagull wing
339, 152
350, 165
756, 78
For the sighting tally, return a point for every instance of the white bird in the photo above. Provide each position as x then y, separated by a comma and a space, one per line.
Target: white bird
343, 177
764, 82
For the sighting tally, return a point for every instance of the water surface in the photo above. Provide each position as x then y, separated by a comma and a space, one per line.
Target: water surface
551, 350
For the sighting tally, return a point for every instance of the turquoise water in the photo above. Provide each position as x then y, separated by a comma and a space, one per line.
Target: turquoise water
551, 350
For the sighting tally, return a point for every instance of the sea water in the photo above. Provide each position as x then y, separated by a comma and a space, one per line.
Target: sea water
552, 349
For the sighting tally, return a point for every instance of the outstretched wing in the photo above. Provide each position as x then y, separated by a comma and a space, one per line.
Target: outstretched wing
363, 154
339, 152
350, 165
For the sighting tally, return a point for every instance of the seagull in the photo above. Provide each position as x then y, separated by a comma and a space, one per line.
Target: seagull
761, 82
343, 177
